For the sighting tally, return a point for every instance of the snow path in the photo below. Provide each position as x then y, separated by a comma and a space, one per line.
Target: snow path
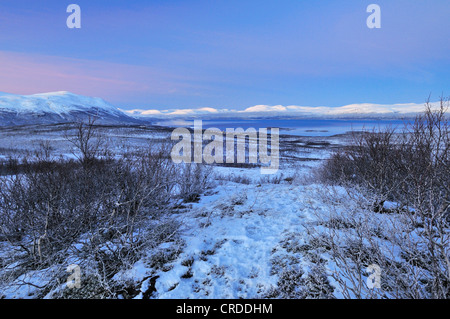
230, 240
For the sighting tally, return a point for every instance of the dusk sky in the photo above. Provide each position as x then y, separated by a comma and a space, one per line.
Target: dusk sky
227, 54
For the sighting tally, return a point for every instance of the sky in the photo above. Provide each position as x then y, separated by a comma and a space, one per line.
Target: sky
177, 54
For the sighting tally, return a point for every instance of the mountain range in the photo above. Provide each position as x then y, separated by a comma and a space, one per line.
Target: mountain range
362, 110
64, 107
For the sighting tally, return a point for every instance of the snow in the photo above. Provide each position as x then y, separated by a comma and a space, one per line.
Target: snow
230, 239
394, 206
55, 102
29, 285
352, 110
240, 237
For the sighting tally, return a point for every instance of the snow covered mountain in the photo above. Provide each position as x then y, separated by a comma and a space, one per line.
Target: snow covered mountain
57, 107
362, 110
63, 107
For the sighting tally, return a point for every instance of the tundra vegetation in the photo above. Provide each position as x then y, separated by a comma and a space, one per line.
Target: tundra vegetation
403, 175
98, 210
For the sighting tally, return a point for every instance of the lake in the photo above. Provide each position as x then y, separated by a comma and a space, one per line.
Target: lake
300, 127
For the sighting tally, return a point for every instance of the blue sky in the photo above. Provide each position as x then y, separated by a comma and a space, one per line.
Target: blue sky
228, 54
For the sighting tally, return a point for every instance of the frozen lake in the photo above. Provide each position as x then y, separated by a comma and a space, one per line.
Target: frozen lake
299, 127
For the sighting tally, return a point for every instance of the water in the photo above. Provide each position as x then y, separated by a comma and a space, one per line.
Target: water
299, 127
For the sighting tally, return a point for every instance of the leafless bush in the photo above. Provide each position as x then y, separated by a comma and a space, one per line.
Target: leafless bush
410, 171
272, 179
101, 209
235, 178
86, 140
193, 179
371, 160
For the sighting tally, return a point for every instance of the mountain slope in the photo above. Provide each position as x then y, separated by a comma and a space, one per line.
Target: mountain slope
57, 107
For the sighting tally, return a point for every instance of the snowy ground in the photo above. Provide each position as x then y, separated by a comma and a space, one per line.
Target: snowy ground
236, 240
231, 238
234, 243
248, 236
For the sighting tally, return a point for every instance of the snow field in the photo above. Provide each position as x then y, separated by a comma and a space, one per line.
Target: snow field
231, 240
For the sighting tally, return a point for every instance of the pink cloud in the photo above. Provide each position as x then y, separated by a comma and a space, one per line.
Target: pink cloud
29, 74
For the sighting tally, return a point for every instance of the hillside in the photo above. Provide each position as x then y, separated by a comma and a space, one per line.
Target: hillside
57, 107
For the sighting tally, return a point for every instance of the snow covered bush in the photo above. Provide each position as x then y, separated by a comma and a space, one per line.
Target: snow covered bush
99, 210
404, 176
193, 179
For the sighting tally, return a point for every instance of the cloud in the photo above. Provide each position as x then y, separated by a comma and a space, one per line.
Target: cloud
23, 73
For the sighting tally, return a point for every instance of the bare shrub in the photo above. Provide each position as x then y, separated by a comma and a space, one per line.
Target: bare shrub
87, 141
101, 210
410, 171
193, 180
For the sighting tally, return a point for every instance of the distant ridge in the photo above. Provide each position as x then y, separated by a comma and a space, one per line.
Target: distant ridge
64, 107
363, 110
58, 107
